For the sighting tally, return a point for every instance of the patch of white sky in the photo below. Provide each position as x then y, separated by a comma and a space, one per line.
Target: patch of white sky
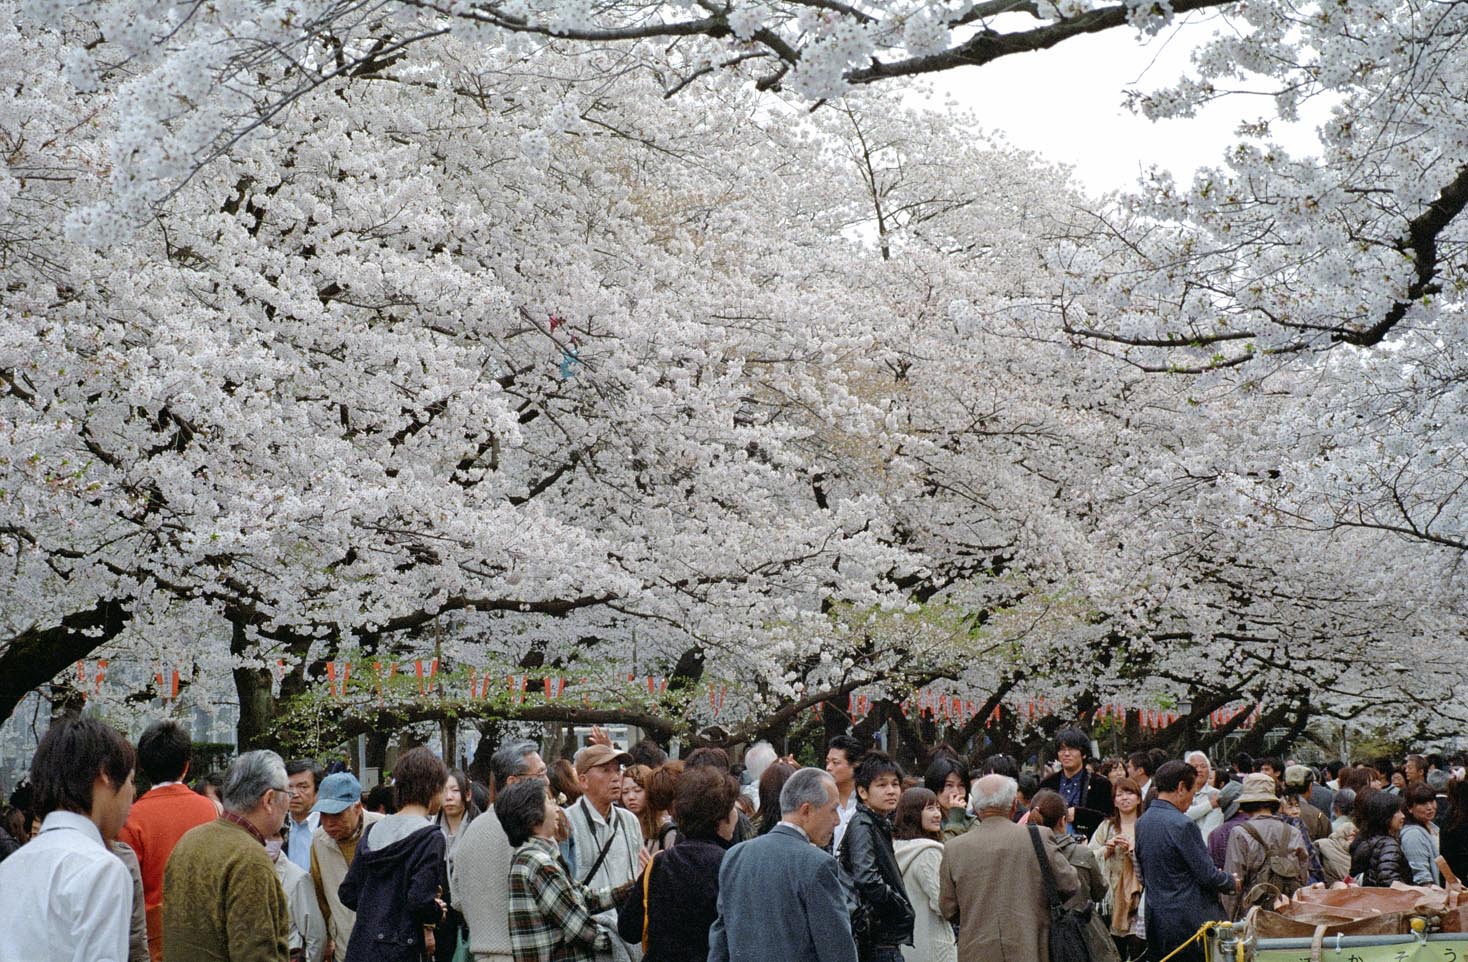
1067, 104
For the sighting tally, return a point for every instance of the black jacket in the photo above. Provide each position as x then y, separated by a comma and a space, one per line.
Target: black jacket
866, 855
682, 902
1378, 860
8, 844
1453, 843
393, 890
1095, 806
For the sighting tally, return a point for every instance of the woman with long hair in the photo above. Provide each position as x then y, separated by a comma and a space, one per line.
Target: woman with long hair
1454, 839
947, 778
917, 841
662, 796
565, 785
1419, 836
1376, 855
458, 808
634, 798
457, 811
1113, 845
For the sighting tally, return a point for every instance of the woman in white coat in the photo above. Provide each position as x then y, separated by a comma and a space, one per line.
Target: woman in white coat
917, 840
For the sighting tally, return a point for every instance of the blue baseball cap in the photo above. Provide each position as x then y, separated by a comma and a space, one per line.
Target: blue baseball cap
337, 793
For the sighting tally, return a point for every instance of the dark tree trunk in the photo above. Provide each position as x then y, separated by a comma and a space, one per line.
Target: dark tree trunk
252, 686
35, 656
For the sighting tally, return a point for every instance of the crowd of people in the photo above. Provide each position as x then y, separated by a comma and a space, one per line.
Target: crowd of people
629, 856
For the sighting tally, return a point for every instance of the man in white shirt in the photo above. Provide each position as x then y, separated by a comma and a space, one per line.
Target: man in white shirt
67, 896
842, 753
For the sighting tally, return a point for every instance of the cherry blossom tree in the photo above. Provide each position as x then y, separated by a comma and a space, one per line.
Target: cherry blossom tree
379, 330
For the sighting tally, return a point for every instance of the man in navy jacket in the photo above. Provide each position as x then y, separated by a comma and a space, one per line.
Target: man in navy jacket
778, 891
1180, 879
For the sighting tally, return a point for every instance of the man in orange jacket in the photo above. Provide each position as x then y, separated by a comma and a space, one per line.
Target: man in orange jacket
160, 817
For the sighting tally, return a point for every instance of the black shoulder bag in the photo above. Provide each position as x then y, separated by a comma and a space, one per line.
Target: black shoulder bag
1067, 927
602, 855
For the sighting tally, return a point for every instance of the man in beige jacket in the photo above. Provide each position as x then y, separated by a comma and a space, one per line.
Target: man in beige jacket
991, 885
333, 846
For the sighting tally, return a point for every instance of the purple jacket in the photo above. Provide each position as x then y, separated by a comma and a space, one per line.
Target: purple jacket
1218, 838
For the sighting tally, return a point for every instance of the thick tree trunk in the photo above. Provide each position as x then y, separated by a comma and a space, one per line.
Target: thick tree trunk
377, 751
257, 703
37, 655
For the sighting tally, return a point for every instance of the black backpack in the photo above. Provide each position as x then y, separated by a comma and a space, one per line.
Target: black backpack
1067, 926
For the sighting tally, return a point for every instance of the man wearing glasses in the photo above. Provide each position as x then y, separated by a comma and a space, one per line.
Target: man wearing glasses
479, 865
221, 897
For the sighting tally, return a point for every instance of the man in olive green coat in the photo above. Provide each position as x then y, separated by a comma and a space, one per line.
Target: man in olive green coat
222, 901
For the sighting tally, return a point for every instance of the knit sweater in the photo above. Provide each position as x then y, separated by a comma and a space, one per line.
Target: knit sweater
221, 899
479, 881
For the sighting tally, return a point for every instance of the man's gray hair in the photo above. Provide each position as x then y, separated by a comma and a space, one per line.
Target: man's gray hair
759, 758
1000, 796
509, 761
251, 775
808, 786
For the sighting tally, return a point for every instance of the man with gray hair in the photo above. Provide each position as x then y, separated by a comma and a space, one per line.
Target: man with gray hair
780, 895
991, 884
221, 899
479, 864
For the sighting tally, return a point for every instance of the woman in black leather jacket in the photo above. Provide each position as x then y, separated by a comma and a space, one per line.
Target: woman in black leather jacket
885, 918
1376, 855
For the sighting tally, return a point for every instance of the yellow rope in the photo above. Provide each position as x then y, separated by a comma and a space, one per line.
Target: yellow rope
1201, 933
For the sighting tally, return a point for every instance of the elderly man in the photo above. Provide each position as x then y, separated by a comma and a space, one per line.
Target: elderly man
479, 865
66, 895
339, 805
222, 901
1182, 883
780, 895
608, 839
990, 881
1206, 812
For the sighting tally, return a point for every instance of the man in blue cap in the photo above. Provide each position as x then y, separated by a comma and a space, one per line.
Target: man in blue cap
339, 802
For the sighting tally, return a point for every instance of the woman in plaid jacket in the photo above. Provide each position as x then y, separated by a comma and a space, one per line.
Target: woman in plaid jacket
550, 912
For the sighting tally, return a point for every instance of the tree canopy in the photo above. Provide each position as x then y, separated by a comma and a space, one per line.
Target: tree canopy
633, 338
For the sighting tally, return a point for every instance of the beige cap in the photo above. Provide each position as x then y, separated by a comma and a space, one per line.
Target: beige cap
1258, 788
594, 756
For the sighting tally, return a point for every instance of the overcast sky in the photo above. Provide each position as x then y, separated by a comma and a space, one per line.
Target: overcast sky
1067, 104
